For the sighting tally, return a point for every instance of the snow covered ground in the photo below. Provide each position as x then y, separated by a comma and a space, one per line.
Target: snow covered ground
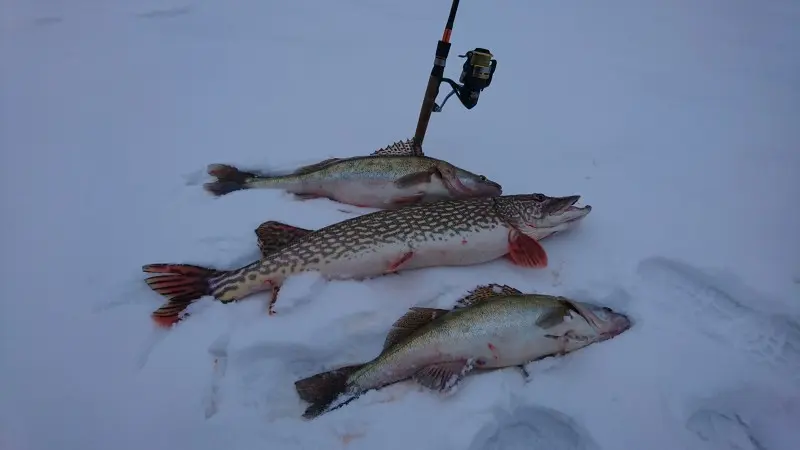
677, 120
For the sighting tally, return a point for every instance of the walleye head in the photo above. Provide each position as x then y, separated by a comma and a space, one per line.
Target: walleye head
539, 215
591, 323
468, 184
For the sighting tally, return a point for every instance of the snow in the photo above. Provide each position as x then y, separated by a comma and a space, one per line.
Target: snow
676, 120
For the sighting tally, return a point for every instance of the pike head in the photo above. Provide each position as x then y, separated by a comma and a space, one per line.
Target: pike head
539, 215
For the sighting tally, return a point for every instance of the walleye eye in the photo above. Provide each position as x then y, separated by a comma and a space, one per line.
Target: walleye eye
482, 178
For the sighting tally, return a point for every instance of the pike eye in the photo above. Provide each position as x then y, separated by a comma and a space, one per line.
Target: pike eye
606, 309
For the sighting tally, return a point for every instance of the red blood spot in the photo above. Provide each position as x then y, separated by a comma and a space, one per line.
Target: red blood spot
492, 349
463, 242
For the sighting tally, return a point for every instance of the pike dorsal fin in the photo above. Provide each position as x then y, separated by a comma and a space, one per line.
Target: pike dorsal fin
273, 235
400, 148
486, 292
314, 167
411, 321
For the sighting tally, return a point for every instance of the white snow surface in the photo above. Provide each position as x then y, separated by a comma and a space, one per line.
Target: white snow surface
677, 120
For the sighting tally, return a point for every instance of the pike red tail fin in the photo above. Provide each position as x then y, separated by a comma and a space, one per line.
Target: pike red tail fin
229, 179
182, 284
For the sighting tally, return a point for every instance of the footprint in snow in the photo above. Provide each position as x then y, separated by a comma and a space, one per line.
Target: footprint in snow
530, 426
714, 307
745, 419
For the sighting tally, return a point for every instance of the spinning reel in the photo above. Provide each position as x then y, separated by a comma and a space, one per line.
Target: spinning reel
476, 75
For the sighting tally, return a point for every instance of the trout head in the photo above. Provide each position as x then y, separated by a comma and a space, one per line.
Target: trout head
589, 323
539, 215
463, 183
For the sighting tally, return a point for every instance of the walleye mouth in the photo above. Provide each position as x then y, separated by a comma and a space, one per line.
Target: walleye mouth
616, 325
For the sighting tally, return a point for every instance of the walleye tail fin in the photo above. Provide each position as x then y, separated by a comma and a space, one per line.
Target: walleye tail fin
229, 179
181, 284
322, 389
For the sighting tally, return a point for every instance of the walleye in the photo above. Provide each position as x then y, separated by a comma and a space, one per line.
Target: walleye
389, 178
494, 326
447, 233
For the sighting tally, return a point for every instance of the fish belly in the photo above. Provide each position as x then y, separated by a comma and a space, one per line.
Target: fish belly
372, 193
447, 249
507, 351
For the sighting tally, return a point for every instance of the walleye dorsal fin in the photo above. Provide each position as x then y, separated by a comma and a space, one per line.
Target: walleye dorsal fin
273, 235
411, 321
302, 170
486, 292
400, 148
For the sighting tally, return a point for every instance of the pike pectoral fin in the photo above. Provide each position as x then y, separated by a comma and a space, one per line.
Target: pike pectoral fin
525, 251
398, 263
273, 235
444, 376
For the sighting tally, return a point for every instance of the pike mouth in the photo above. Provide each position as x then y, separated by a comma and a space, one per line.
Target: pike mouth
570, 208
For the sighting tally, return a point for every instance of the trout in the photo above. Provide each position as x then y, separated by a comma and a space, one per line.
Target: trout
447, 233
493, 327
389, 178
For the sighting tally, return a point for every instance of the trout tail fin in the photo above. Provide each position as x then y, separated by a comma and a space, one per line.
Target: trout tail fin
182, 284
323, 389
229, 179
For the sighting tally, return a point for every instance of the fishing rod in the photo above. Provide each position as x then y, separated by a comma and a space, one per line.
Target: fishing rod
476, 75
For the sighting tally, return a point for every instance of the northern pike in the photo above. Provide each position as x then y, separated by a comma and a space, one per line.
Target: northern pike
447, 233
389, 178
494, 326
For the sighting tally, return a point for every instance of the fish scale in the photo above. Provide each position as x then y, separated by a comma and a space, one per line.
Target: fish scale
447, 233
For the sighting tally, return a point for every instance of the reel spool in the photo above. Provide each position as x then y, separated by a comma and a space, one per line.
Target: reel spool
476, 75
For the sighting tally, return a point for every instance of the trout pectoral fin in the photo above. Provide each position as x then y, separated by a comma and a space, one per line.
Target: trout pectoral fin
443, 376
525, 251
273, 235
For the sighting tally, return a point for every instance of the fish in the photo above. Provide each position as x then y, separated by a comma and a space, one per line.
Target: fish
389, 178
493, 327
447, 233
